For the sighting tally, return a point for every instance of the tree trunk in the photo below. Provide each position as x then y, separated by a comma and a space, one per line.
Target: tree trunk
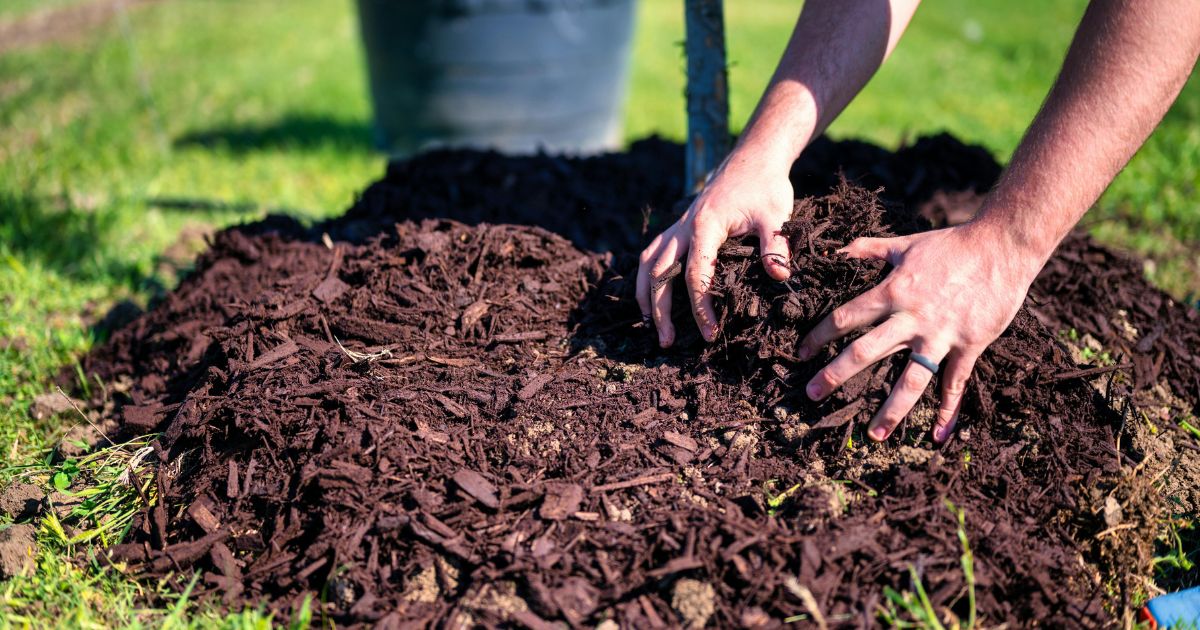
707, 90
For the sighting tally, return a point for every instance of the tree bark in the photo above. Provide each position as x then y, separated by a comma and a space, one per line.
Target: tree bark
707, 90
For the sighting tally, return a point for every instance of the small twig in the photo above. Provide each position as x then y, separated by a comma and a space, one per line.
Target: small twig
1115, 528
636, 481
83, 415
134, 462
362, 356
666, 276
806, 597
1062, 376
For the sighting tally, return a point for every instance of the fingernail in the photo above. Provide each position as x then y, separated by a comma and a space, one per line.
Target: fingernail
665, 338
709, 332
804, 353
878, 433
813, 390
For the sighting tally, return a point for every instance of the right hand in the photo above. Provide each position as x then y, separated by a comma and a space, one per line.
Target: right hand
743, 196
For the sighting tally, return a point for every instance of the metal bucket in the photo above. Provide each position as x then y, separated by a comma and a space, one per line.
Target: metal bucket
513, 75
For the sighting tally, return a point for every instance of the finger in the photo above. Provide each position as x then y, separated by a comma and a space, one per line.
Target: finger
864, 310
645, 261
701, 268
774, 248
880, 248
887, 338
912, 383
954, 385
661, 279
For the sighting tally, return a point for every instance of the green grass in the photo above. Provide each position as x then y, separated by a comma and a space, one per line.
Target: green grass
913, 609
21, 8
192, 115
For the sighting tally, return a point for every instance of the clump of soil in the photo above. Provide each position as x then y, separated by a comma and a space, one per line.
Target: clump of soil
444, 421
18, 546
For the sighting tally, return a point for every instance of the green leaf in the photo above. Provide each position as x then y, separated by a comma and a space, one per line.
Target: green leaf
62, 481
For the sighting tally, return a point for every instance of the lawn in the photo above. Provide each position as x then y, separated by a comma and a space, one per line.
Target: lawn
120, 147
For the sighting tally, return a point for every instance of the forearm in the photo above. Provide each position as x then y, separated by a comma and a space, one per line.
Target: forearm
834, 50
1127, 64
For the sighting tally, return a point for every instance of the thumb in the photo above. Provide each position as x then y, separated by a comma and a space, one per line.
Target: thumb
776, 258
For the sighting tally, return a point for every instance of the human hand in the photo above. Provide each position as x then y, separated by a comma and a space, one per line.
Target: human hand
745, 195
951, 293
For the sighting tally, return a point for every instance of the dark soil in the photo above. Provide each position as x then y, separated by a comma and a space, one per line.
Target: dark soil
447, 419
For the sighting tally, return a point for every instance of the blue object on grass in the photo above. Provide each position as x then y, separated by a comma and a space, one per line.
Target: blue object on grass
1174, 610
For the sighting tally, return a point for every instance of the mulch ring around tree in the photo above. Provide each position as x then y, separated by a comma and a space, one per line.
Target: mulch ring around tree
423, 413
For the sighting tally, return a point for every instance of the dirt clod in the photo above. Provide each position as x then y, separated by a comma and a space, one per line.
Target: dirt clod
21, 501
694, 601
18, 548
51, 404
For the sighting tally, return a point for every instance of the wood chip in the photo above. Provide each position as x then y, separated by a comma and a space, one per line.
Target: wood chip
534, 386
473, 313
330, 289
432, 435
479, 488
280, 352
142, 418
841, 416
680, 440
518, 337
452, 362
675, 566
204, 517
454, 408
231, 482
562, 500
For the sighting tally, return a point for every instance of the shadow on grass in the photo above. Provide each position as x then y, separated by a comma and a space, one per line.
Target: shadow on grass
52, 233
80, 245
293, 132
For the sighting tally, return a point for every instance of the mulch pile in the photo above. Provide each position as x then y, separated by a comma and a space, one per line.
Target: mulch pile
424, 413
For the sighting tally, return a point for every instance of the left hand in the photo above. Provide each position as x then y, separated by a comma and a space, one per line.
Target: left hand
950, 294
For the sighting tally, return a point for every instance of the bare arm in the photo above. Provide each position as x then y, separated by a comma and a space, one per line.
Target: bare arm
836, 47
952, 292
834, 50
1128, 63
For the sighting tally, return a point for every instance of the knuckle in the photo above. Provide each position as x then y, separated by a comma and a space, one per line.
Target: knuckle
892, 292
955, 387
705, 223
890, 417
646, 257
701, 221
841, 318
828, 379
862, 351
913, 381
